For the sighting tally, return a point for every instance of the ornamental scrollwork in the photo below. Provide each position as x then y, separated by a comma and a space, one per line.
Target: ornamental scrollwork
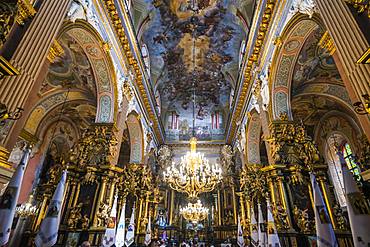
302, 219
94, 148
291, 146
281, 217
74, 216
11, 12
362, 6
364, 159
136, 179
8, 12
103, 214
253, 182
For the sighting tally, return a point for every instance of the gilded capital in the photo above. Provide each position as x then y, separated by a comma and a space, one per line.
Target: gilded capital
56, 50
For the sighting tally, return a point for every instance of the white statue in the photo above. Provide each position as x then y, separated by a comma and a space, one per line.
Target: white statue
83, 9
242, 139
254, 104
16, 155
78, 10
307, 7
120, 81
265, 91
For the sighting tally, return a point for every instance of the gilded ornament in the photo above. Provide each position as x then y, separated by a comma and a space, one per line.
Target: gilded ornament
362, 6
25, 11
302, 219
7, 14
290, 145
103, 215
85, 222
281, 217
364, 159
56, 50
94, 148
340, 219
326, 42
253, 182
74, 216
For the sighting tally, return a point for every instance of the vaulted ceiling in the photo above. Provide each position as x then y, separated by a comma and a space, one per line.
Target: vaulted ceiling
193, 46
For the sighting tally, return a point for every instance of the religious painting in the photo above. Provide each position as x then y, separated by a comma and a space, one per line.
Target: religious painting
194, 51
323, 215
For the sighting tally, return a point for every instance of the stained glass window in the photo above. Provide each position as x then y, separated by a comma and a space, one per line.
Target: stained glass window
350, 161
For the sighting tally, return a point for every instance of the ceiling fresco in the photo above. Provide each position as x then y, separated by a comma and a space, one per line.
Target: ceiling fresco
73, 69
194, 47
314, 64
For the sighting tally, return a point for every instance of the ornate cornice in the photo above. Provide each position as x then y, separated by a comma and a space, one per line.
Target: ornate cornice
124, 41
241, 101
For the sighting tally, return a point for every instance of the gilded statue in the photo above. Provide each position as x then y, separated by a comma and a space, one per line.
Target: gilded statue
341, 220
142, 225
74, 216
281, 217
85, 222
291, 146
8, 12
103, 214
54, 173
302, 219
94, 148
253, 181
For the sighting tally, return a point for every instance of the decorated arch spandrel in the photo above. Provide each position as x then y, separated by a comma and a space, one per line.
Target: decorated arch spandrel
253, 136
284, 61
83, 72
102, 67
136, 138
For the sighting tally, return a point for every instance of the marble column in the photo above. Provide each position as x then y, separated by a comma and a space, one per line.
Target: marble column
29, 57
350, 45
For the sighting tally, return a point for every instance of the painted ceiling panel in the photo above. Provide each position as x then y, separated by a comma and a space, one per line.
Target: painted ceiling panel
194, 47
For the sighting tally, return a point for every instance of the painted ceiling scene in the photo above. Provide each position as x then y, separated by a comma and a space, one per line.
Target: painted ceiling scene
194, 48
314, 65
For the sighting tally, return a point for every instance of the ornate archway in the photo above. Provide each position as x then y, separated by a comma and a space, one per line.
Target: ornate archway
286, 56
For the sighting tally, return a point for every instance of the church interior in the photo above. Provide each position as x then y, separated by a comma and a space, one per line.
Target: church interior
185, 123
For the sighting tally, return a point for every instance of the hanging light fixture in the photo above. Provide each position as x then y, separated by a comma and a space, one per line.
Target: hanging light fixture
194, 212
26, 209
194, 174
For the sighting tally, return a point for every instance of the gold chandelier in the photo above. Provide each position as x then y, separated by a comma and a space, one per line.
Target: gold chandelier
194, 212
194, 175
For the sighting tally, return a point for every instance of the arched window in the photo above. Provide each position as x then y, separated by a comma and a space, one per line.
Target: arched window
350, 161
335, 167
